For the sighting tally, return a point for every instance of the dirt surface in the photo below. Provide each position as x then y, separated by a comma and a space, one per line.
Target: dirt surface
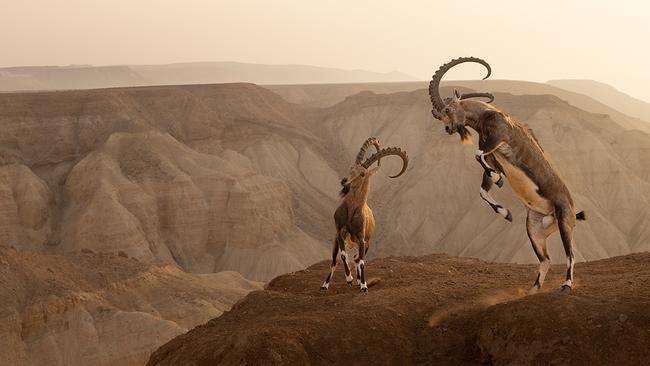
434, 310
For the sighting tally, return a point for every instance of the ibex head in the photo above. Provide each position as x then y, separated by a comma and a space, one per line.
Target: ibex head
450, 110
360, 172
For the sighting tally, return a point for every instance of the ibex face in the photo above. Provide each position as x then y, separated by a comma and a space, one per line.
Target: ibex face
357, 177
450, 110
453, 114
361, 171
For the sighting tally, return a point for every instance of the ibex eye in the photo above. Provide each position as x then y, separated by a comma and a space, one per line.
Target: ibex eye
362, 174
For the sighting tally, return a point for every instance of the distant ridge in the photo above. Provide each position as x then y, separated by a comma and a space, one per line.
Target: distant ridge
67, 77
608, 95
227, 72
328, 95
94, 77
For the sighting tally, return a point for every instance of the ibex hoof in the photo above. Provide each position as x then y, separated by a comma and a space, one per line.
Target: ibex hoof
350, 284
566, 289
364, 290
533, 290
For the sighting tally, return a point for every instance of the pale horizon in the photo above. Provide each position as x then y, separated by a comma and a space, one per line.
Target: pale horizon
532, 42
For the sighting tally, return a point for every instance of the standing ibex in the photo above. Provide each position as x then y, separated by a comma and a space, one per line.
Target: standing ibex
508, 147
353, 218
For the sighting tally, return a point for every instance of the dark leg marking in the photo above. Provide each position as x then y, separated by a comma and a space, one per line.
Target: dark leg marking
358, 274
344, 256
485, 148
361, 265
335, 253
486, 185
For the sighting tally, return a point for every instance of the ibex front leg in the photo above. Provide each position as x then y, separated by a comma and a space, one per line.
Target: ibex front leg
485, 188
344, 258
339, 247
486, 148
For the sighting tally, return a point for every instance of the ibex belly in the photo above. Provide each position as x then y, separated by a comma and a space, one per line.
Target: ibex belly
524, 187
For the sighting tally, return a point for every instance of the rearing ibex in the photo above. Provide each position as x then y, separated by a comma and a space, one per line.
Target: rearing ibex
508, 147
353, 218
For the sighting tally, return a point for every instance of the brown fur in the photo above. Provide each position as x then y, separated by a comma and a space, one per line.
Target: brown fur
465, 136
354, 220
355, 217
510, 148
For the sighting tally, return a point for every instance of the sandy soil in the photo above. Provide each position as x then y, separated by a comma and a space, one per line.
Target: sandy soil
434, 310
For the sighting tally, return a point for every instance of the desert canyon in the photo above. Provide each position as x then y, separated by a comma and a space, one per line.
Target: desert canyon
130, 215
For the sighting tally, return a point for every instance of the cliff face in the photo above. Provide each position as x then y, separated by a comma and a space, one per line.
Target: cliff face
101, 309
167, 175
232, 177
156, 199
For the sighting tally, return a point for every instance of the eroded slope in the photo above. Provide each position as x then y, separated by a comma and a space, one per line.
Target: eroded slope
101, 309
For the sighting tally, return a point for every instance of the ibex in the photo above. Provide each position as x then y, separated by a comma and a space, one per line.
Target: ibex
509, 148
354, 221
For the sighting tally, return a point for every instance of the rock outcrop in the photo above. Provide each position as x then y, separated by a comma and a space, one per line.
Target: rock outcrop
433, 310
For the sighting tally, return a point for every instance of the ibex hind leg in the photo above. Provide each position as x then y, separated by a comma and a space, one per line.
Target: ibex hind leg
566, 221
356, 260
538, 233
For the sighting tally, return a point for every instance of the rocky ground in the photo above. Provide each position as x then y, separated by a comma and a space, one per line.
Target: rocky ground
435, 309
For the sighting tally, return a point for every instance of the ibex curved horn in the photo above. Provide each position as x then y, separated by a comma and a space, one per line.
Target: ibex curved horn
364, 148
478, 95
385, 152
434, 85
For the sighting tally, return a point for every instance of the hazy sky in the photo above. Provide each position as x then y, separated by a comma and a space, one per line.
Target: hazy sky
526, 40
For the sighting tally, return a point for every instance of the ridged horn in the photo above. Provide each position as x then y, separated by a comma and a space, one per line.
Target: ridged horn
385, 152
364, 148
434, 85
478, 95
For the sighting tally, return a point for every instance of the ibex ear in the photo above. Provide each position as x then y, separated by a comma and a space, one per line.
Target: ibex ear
456, 96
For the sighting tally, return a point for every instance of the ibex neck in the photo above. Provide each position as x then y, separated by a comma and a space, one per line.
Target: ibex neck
473, 110
360, 195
